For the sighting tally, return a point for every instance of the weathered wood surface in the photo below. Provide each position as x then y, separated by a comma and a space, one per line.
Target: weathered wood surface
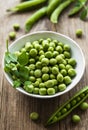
16, 107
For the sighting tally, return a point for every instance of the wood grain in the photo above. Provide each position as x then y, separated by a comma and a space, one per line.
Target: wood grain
16, 107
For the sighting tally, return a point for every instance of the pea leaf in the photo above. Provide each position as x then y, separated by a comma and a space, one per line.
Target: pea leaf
83, 14
10, 57
24, 73
23, 58
27, 83
16, 83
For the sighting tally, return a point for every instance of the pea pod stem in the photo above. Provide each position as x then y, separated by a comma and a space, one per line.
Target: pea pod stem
78, 94
52, 6
77, 8
26, 5
34, 18
59, 9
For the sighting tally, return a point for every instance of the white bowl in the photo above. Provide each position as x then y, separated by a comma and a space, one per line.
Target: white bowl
76, 53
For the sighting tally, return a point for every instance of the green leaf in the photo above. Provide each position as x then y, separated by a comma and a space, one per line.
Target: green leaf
9, 57
24, 73
83, 14
23, 58
16, 83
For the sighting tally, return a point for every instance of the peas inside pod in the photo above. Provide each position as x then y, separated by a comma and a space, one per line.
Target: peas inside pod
43, 67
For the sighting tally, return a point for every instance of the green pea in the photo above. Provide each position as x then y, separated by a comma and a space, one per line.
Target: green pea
53, 61
31, 72
58, 114
52, 44
45, 69
55, 119
34, 43
42, 85
56, 89
50, 69
29, 88
67, 54
55, 53
79, 32
73, 102
12, 35
52, 76
59, 49
39, 80
45, 45
71, 72
49, 39
55, 81
41, 40
45, 77
55, 70
55, 41
41, 52
49, 84
28, 46
72, 61
49, 54
42, 91
68, 106
32, 61
23, 50
84, 106
41, 57
16, 53
82, 95
75, 118
51, 91
33, 52
60, 44
37, 73
38, 65
64, 110
61, 66
36, 84
45, 61
34, 116
64, 62
78, 99
51, 49
32, 78
16, 26
37, 47
32, 67
62, 55
66, 47
68, 67
59, 59
60, 77
36, 90
61, 87
67, 80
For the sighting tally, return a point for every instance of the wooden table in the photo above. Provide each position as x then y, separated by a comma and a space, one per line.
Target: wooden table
16, 107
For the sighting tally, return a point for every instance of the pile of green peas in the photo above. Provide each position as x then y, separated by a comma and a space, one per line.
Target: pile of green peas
51, 66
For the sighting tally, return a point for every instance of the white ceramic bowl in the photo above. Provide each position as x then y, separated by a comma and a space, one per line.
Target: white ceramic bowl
76, 53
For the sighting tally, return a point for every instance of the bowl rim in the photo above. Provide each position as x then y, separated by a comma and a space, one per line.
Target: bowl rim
58, 93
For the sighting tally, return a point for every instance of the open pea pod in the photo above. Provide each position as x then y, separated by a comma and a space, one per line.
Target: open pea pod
67, 107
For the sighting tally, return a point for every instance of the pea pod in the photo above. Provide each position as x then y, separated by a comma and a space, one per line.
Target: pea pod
34, 18
79, 5
52, 6
27, 5
67, 107
58, 10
